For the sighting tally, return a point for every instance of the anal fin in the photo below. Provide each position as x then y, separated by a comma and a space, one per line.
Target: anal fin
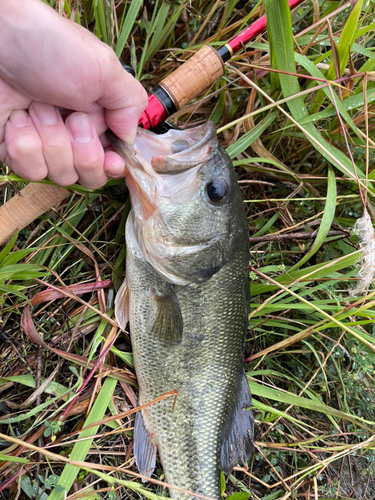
238, 434
122, 305
144, 449
168, 324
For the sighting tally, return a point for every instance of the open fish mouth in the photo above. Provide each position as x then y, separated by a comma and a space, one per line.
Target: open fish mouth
173, 152
154, 159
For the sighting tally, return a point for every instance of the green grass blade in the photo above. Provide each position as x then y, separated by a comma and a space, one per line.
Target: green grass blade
53, 387
269, 414
81, 448
220, 106
162, 30
31, 413
118, 269
158, 31
341, 106
127, 25
316, 273
353, 102
348, 35
291, 399
327, 219
267, 225
14, 290
282, 45
15, 257
128, 484
11, 458
100, 24
324, 314
247, 139
21, 272
126, 357
255, 159
8, 248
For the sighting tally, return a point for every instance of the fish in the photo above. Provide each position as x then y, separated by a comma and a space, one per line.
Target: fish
186, 296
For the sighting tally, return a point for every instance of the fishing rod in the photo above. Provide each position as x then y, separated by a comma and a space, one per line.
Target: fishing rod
204, 68
189, 80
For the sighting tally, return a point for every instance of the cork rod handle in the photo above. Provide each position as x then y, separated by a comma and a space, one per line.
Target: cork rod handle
194, 76
23, 208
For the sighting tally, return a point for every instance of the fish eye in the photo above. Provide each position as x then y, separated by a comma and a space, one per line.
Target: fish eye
217, 189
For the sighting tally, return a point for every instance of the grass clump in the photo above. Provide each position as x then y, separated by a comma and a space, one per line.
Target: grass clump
295, 112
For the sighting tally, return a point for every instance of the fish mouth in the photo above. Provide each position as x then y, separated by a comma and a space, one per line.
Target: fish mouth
154, 159
175, 151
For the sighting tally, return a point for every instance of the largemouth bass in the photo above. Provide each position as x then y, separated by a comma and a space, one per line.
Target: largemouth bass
186, 296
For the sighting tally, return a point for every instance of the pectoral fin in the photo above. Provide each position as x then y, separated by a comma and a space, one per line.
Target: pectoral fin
122, 305
144, 449
238, 435
168, 324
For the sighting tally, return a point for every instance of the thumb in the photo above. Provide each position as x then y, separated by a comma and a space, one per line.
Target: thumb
124, 99
124, 121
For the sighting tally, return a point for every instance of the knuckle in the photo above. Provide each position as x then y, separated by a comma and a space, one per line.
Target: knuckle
37, 174
24, 145
64, 181
57, 144
93, 184
90, 163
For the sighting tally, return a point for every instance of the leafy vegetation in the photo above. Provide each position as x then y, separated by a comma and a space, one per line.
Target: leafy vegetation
295, 112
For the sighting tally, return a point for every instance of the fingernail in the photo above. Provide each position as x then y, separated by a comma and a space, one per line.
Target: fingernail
112, 174
19, 118
46, 113
80, 127
130, 137
123, 122
116, 170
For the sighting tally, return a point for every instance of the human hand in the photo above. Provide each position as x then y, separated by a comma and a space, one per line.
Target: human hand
49, 64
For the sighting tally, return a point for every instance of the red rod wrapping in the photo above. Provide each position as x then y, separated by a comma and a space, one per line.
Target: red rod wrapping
154, 115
